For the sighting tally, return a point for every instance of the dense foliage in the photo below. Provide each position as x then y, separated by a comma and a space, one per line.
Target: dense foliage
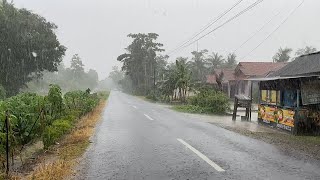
28, 46
139, 62
48, 117
211, 100
206, 101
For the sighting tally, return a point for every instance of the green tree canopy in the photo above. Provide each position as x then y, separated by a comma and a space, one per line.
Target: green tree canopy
77, 66
283, 55
139, 62
198, 64
306, 50
28, 46
231, 61
215, 60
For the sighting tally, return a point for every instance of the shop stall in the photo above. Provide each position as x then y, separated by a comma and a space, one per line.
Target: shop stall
290, 103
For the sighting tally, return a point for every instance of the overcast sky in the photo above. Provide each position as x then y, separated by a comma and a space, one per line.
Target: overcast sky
97, 29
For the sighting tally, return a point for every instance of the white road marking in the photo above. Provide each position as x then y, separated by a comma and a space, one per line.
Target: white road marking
148, 117
135, 107
202, 156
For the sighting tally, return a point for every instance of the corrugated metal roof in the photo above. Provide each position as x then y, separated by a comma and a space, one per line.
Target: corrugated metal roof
304, 65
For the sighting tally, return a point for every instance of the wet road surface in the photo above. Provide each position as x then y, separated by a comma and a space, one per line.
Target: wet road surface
141, 140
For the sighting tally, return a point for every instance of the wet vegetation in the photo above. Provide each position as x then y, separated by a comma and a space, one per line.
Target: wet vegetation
149, 73
28, 47
34, 117
40, 97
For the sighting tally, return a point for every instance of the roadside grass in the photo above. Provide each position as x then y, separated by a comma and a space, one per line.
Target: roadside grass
72, 147
53, 171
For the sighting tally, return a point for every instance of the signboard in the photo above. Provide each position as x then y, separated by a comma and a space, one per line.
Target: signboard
266, 113
283, 118
310, 92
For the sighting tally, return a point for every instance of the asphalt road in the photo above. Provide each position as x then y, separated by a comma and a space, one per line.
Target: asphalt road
142, 140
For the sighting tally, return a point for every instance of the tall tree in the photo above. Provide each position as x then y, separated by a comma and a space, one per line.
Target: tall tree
283, 55
28, 46
77, 66
139, 62
231, 61
306, 50
215, 60
198, 64
161, 67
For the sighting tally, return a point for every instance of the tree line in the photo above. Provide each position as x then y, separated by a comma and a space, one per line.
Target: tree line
284, 54
147, 71
68, 78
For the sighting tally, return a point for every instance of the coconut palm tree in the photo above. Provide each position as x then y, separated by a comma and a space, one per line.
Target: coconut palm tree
215, 60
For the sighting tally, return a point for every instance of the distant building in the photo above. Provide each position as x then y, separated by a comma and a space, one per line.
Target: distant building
236, 81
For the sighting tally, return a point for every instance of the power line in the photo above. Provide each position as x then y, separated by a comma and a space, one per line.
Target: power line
226, 22
256, 32
285, 20
207, 26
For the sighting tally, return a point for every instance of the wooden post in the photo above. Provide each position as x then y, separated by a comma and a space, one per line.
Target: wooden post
296, 116
234, 115
7, 142
251, 101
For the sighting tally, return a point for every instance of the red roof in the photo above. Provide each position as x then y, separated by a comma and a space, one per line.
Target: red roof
259, 69
228, 75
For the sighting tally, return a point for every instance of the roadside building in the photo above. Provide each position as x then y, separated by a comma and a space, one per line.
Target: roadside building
248, 70
236, 81
290, 97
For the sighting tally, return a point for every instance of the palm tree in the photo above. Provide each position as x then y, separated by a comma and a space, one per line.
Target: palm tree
231, 61
198, 64
215, 60
283, 55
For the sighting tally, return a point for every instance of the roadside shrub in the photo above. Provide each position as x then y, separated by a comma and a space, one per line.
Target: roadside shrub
211, 101
152, 96
54, 132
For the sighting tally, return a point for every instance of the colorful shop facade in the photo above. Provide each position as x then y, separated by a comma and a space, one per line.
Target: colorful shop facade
290, 98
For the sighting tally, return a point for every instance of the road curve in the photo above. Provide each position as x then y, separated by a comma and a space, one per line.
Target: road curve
142, 140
